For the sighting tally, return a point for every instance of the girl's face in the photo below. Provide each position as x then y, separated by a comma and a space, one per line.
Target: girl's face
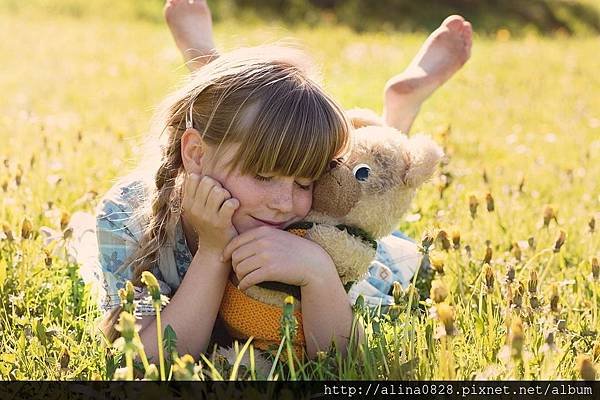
266, 199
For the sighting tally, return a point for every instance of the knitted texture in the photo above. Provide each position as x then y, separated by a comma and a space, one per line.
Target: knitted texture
244, 317
298, 231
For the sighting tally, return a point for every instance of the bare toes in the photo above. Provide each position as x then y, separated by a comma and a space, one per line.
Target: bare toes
467, 30
454, 22
467, 34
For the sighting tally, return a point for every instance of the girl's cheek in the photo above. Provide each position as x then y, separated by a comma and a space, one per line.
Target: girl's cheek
238, 188
304, 203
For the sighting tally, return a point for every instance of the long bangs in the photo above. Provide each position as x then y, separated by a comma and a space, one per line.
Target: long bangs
295, 130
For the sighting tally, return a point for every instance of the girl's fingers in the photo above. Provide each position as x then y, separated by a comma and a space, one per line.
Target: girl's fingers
253, 278
241, 254
204, 188
245, 267
228, 208
215, 199
242, 239
191, 185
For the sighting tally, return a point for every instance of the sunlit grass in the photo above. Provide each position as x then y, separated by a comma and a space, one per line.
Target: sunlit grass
521, 122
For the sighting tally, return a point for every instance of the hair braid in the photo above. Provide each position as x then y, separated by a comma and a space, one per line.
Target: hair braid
165, 205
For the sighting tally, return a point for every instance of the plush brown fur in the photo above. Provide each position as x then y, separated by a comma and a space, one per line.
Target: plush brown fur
398, 166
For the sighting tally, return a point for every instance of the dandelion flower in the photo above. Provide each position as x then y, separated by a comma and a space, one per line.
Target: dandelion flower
489, 278
510, 273
489, 201
487, 258
554, 298
549, 215
473, 204
152, 285
26, 228
516, 338
436, 260
442, 237
439, 291
560, 241
397, 292
456, 239
445, 314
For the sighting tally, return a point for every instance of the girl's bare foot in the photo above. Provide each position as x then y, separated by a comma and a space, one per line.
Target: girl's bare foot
190, 23
444, 52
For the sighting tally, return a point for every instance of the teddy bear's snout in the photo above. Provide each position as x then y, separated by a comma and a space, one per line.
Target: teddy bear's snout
336, 192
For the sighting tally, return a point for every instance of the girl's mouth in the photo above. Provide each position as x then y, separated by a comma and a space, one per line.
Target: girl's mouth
274, 224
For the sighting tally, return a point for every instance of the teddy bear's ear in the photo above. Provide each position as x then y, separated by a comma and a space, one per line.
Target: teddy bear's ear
423, 156
361, 117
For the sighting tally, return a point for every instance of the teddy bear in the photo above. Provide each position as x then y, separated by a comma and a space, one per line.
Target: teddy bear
360, 199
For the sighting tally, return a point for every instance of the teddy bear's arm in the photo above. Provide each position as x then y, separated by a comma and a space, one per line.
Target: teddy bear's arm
350, 254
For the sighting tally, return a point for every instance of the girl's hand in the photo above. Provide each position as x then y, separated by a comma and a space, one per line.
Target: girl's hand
209, 208
270, 254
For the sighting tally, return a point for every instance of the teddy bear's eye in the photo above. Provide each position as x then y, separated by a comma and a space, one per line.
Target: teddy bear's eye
361, 172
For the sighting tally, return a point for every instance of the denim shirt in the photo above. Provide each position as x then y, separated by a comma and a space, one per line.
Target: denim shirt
118, 231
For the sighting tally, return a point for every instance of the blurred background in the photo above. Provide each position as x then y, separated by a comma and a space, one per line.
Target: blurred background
517, 16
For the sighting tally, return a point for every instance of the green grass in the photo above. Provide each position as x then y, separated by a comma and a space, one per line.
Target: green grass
78, 94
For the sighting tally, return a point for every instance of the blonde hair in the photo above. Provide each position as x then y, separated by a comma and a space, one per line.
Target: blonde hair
262, 98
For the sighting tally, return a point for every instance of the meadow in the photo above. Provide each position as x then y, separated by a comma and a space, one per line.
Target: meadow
513, 214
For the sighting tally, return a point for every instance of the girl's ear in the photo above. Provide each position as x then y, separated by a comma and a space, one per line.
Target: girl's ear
192, 151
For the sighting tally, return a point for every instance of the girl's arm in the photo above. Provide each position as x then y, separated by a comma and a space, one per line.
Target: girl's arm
280, 256
193, 309
326, 312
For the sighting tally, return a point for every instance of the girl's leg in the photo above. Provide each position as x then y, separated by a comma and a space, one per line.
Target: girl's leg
190, 23
443, 53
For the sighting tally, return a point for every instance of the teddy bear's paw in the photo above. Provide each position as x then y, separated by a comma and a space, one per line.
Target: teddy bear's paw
267, 296
350, 254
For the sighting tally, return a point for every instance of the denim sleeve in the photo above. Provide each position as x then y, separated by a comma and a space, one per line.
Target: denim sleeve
116, 243
118, 230
397, 259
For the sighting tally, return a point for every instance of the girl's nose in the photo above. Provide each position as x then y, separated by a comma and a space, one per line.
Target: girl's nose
282, 198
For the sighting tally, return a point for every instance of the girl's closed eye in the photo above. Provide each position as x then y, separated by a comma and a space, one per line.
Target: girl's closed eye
262, 178
304, 187
268, 178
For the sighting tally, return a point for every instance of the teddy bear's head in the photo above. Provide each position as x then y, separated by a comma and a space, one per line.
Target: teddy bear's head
362, 198
373, 185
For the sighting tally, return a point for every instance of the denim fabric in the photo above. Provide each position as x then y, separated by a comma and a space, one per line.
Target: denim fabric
397, 259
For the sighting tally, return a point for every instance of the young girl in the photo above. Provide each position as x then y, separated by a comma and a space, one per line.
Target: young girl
245, 139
